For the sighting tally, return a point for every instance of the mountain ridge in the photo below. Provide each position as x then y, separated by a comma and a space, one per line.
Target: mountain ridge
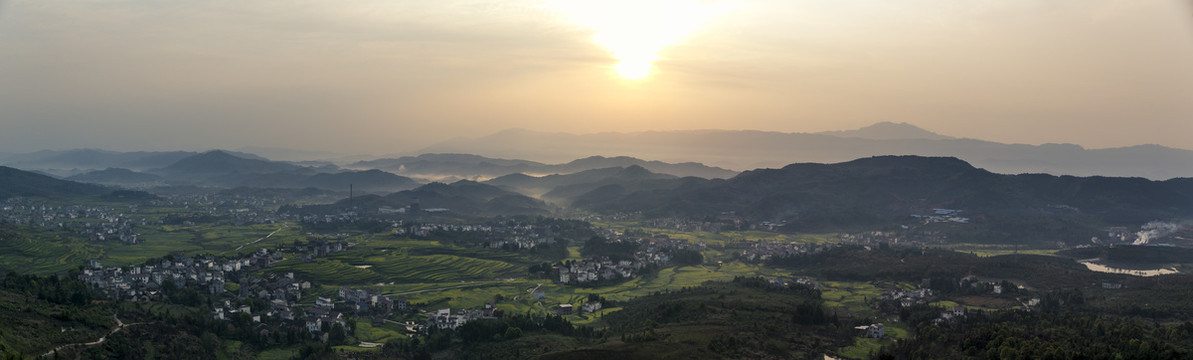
748, 149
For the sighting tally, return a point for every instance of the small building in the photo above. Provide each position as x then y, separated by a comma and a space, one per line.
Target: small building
590, 307
565, 309
874, 331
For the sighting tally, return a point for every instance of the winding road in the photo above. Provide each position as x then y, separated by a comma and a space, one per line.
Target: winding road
120, 325
261, 239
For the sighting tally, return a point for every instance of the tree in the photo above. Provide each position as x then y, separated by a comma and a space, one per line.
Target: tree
513, 333
337, 336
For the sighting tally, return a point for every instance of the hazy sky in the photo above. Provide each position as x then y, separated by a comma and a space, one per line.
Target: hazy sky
372, 76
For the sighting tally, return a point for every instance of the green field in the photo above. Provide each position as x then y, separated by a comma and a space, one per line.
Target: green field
379, 334
988, 250
158, 241
863, 348
380, 261
850, 297
278, 354
44, 251
517, 292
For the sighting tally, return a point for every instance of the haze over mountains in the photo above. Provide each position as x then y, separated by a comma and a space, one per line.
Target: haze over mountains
434, 165
745, 149
705, 154
867, 193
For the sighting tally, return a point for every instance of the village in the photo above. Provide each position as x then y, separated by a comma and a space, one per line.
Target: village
94, 223
100, 223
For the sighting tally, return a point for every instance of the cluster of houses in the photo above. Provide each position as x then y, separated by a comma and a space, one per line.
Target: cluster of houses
784, 282
143, 283
907, 237
96, 223
445, 319
764, 250
281, 292
907, 298
103, 223
318, 248
591, 270
231, 209
366, 301
505, 236
942, 216
651, 251
586, 308
683, 224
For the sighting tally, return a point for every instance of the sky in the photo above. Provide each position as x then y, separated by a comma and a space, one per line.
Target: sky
383, 77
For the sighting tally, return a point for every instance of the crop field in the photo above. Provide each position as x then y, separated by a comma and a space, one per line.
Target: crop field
517, 293
356, 268
863, 348
850, 297
976, 303
278, 353
158, 241
42, 251
328, 271
373, 245
433, 268
989, 250
365, 331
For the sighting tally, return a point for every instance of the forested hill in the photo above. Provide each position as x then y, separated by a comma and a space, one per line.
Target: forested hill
14, 182
885, 190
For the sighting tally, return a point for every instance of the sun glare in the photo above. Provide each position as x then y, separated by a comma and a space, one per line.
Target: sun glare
636, 31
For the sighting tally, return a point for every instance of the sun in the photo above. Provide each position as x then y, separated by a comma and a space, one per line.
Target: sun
636, 31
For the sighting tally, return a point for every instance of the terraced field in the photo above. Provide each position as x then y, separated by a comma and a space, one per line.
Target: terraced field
849, 297
44, 251
158, 241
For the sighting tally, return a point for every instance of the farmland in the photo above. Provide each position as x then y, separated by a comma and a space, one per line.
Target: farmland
434, 272
43, 251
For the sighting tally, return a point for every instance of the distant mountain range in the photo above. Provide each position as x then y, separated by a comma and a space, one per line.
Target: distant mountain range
219, 168
759, 149
215, 168
94, 159
475, 166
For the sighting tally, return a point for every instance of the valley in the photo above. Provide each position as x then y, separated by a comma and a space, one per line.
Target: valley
503, 268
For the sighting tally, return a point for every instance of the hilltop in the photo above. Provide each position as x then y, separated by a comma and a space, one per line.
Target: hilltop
884, 191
